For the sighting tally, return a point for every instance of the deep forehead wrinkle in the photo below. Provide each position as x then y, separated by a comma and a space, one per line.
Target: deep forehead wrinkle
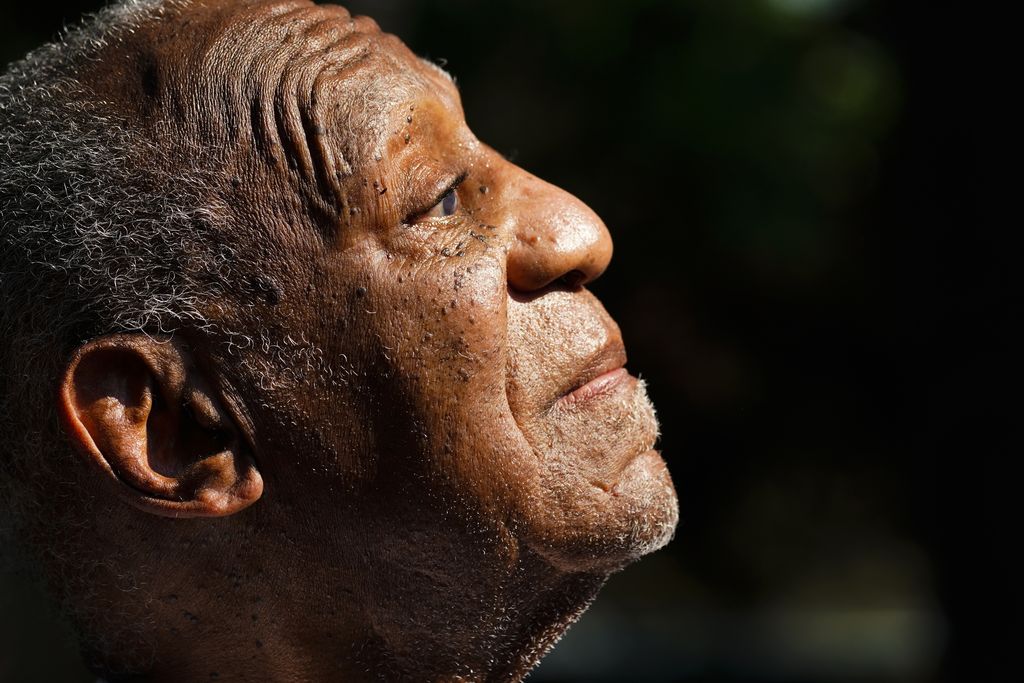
347, 59
268, 66
352, 76
301, 83
290, 90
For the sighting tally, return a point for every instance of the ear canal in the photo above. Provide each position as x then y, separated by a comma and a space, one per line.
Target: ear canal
144, 419
180, 436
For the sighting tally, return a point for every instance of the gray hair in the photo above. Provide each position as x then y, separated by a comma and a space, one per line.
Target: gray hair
100, 232
107, 227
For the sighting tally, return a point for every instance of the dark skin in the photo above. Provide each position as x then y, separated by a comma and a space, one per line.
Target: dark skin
447, 486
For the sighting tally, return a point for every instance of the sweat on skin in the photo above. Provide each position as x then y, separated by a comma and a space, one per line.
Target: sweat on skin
334, 402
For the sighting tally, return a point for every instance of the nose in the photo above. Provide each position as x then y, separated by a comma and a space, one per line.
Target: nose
557, 238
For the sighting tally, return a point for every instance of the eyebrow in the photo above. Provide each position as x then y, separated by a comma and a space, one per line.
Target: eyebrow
438, 69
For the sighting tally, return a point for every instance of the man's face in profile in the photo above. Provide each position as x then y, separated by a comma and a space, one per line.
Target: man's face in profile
471, 376
451, 452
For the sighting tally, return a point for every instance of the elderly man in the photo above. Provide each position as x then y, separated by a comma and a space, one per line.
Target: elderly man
300, 381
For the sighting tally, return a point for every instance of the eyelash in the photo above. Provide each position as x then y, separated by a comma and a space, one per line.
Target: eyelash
452, 188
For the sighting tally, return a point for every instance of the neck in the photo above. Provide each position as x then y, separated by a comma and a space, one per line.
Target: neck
469, 635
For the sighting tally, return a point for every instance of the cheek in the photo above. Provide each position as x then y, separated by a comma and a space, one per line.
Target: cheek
444, 291
439, 328
433, 328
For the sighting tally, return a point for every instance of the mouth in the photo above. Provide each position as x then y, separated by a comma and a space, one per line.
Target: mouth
601, 374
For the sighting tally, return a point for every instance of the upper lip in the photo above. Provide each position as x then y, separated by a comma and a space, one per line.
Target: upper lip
611, 357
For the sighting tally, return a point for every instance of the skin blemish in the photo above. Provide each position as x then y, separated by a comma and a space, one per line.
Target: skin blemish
360, 292
379, 187
484, 189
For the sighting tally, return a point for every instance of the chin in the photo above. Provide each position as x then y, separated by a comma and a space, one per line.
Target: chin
608, 530
593, 523
604, 496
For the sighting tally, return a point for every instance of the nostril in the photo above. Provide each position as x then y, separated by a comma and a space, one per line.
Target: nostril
573, 279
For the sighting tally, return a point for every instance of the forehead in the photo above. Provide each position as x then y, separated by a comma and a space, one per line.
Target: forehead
318, 59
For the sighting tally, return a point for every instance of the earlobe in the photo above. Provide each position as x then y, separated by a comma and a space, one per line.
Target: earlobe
142, 417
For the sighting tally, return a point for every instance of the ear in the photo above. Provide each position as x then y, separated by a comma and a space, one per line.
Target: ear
143, 418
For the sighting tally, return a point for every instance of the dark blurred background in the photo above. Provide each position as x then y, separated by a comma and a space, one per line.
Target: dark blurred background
808, 275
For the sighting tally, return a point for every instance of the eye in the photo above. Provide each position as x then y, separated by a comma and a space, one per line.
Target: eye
448, 205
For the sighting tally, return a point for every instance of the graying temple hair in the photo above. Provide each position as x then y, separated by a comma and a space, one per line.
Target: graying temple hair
100, 232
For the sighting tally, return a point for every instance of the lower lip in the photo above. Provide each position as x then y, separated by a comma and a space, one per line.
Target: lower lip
598, 386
